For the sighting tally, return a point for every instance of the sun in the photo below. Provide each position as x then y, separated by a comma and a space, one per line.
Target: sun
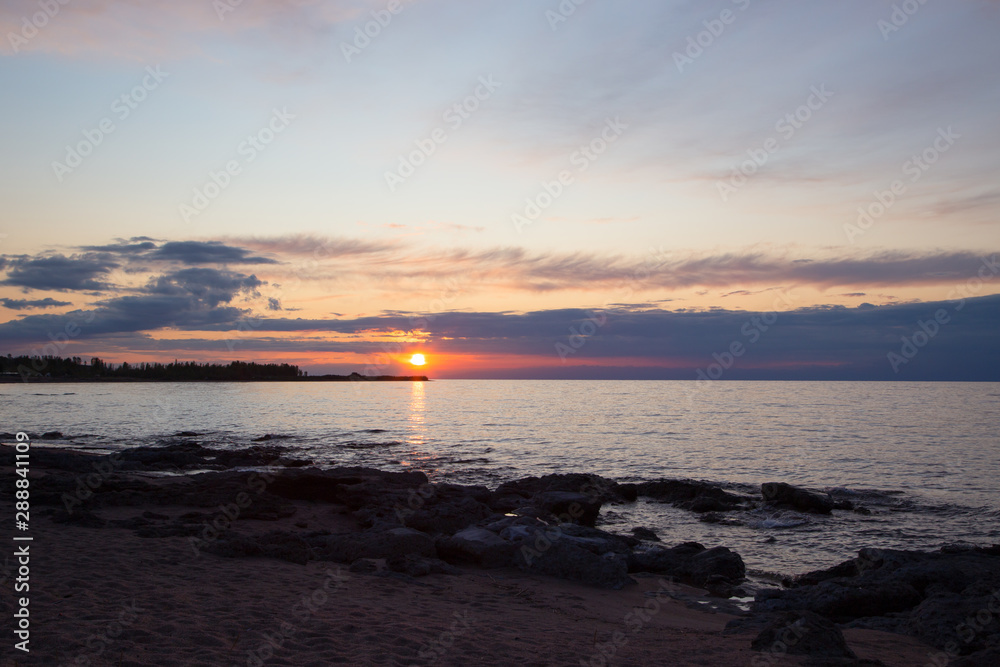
418, 360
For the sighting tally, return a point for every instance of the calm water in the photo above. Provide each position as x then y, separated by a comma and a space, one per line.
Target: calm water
924, 457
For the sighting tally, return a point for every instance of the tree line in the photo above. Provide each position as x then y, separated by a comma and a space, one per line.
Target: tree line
77, 368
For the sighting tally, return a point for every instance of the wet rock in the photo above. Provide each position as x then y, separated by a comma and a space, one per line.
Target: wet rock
802, 633
645, 534
570, 507
786, 495
715, 517
51, 435
691, 495
597, 487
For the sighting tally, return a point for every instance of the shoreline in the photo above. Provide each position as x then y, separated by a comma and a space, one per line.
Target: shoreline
115, 380
444, 548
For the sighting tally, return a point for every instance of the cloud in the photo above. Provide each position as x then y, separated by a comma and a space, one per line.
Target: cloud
193, 299
61, 273
202, 252
23, 304
312, 245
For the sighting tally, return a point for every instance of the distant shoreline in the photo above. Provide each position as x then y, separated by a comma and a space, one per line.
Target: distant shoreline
314, 378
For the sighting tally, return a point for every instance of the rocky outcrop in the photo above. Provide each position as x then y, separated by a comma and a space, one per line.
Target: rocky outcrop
802, 633
949, 598
690, 563
692, 495
780, 494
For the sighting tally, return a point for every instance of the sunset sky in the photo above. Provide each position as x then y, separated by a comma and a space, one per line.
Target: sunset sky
589, 189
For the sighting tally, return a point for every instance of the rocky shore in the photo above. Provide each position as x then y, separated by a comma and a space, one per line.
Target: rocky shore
255, 503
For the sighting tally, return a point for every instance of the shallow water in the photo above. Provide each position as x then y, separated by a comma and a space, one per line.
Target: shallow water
922, 456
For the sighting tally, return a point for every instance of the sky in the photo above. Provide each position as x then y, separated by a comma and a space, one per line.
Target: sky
733, 189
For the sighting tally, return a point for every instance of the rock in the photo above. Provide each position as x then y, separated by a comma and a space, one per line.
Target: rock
802, 633
569, 561
689, 562
691, 495
391, 543
52, 435
477, 546
715, 517
595, 486
988, 658
645, 534
786, 495
570, 507
841, 600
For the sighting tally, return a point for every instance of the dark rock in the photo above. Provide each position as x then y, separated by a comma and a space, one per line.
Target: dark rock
51, 435
645, 534
802, 633
568, 561
477, 546
988, 658
692, 495
715, 517
597, 487
786, 495
689, 562
186, 434
841, 600
570, 507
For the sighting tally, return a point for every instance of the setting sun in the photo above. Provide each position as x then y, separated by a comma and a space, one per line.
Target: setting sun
418, 360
